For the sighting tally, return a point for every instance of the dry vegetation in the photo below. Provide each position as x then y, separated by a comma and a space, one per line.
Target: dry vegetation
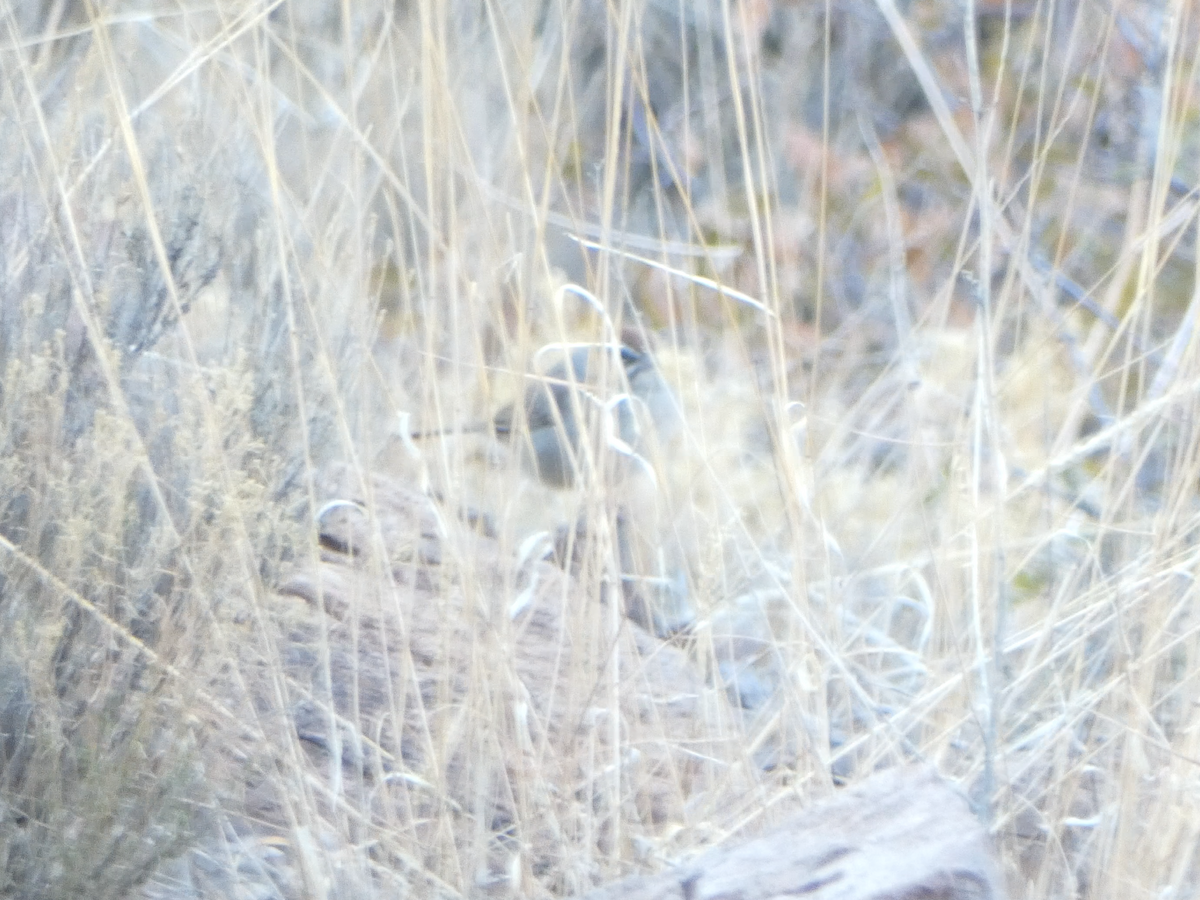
927, 295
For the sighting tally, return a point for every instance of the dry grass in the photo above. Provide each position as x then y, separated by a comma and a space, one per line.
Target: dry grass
935, 495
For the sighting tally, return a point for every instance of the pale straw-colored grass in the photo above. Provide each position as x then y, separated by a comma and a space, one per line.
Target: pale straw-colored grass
926, 298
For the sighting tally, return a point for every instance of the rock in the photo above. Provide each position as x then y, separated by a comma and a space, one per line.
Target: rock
903, 833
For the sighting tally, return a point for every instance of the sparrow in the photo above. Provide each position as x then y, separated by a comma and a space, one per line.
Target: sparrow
568, 404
